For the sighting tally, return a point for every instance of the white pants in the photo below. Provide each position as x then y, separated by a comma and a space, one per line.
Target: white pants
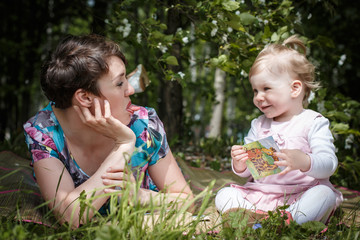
316, 204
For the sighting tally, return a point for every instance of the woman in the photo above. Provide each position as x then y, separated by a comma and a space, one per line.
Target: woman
81, 141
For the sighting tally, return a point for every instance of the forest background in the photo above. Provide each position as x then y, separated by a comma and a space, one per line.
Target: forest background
197, 55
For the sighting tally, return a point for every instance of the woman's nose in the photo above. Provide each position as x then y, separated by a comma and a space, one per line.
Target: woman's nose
130, 90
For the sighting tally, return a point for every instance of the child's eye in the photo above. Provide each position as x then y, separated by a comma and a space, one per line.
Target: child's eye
267, 88
255, 91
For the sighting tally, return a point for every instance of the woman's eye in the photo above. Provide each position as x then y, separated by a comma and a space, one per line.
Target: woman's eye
119, 84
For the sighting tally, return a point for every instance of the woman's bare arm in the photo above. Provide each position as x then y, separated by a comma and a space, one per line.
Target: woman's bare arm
57, 186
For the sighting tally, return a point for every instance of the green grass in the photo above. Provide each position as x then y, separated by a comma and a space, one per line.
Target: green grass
127, 220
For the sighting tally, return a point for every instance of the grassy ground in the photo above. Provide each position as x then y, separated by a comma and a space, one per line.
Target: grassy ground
132, 221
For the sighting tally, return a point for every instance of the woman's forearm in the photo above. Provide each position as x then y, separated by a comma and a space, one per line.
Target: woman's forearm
70, 207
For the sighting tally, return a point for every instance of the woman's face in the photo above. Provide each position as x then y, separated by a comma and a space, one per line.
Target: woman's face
116, 89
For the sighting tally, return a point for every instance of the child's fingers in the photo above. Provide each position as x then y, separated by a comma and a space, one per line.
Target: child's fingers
285, 171
241, 157
236, 147
281, 155
237, 153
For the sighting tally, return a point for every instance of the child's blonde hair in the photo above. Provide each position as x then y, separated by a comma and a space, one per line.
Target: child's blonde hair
286, 58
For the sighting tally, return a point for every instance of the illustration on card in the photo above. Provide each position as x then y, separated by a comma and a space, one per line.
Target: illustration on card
261, 157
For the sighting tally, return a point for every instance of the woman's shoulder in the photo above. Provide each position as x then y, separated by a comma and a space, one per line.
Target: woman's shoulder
42, 119
146, 117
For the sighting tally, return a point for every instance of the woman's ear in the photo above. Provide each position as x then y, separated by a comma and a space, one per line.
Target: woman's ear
84, 98
296, 88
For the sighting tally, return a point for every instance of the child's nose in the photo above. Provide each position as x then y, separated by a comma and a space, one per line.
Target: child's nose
259, 97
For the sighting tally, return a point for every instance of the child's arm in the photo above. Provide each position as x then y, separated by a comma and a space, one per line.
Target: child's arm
321, 162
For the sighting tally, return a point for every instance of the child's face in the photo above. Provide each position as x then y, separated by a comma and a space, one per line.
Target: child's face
274, 95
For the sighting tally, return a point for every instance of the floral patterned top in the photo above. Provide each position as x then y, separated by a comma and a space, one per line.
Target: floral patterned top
45, 138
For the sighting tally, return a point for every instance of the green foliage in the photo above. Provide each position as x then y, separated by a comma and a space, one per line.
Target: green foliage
344, 116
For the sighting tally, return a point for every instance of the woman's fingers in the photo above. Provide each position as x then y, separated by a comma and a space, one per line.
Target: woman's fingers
114, 175
107, 110
97, 109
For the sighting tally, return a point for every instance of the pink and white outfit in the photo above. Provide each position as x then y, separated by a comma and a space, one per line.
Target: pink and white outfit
310, 194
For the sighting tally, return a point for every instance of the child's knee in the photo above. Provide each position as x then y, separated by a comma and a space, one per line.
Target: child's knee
326, 194
224, 197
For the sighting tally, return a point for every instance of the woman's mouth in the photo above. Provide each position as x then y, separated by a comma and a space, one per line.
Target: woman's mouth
132, 108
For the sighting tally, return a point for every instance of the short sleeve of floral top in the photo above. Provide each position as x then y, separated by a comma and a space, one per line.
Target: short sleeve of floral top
45, 138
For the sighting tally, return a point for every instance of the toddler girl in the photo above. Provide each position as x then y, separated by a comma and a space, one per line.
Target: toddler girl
282, 79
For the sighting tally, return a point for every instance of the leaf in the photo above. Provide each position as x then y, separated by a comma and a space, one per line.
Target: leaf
171, 60
235, 24
340, 127
275, 37
247, 18
230, 5
313, 226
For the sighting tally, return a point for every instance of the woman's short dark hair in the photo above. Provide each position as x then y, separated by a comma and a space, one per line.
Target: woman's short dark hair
77, 63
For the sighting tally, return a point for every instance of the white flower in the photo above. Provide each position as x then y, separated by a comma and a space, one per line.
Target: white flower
127, 30
213, 32
125, 21
243, 73
342, 59
138, 37
348, 141
224, 38
229, 29
214, 22
181, 75
266, 21
237, 12
185, 40
162, 48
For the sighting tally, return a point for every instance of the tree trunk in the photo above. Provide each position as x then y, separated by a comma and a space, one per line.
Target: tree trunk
99, 14
171, 106
216, 119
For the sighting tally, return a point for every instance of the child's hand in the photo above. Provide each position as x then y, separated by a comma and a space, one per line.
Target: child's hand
239, 156
293, 159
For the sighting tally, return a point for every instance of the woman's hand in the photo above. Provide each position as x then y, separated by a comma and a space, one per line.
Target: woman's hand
293, 159
239, 157
105, 123
118, 178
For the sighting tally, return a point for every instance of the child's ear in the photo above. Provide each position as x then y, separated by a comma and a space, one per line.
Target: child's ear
84, 98
296, 88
